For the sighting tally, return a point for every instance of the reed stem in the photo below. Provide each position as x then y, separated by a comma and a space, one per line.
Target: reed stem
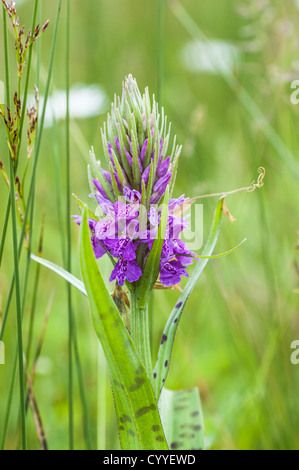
68, 233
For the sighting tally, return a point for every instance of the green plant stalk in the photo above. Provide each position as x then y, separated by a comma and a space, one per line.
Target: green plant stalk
36, 155
82, 391
7, 211
165, 350
15, 255
9, 401
18, 308
31, 195
132, 390
11, 388
140, 333
32, 314
63, 251
58, 189
241, 93
7, 85
134, 398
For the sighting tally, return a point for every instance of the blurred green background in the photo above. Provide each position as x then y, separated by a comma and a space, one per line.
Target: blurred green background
235, 336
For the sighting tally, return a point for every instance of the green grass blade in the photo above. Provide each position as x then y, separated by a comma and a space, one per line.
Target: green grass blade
164, 356
4, 228
57, 166
28, 65
36, 156
135, 402
18, 308
182, 418
7, 211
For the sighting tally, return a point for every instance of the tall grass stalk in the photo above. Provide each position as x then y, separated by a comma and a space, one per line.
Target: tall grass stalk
86, 428
7, 86
40, 247
18, 248
61, 220
25, 95
15, 257
56, 155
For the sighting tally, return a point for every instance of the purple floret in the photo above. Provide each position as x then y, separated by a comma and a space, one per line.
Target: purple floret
125, 269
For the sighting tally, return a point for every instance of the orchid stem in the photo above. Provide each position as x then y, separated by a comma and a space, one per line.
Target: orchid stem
140, 333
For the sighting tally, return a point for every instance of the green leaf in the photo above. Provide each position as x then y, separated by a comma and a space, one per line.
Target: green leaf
164, 356
138, 417
62, 272
152, 267
82, 205
182, 419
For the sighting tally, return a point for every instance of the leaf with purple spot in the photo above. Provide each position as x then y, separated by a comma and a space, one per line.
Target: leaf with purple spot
182, 419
